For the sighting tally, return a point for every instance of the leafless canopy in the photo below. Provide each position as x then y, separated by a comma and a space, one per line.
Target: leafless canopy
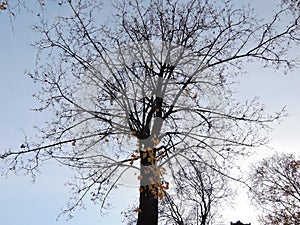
276, 189
150, 90
200, 195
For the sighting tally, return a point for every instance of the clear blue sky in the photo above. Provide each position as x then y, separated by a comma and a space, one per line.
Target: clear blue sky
34, 204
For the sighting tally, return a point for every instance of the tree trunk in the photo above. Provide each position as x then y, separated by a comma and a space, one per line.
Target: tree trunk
149, 184
148, 206
150, 174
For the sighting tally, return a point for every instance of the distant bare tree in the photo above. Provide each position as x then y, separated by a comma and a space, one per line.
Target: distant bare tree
294, 4
150, 91
276, 189
200, 193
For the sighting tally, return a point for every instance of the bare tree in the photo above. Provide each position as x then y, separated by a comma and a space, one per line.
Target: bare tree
294, 4
201, 192
149, 91
276, 189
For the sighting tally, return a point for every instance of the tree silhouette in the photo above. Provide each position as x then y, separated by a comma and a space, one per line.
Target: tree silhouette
239, 223
149, 91
276, 189
203, 190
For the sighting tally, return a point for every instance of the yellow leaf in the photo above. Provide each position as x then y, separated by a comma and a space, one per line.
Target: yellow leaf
151, 179
160, 195
156, 141
167, 186
2, 7
151, 65
140, 177
187, 92
144, 155
138, 210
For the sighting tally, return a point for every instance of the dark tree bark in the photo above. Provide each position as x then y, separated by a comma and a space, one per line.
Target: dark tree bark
149, 207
